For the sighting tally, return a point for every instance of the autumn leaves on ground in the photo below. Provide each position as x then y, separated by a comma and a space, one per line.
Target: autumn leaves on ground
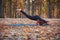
50, 32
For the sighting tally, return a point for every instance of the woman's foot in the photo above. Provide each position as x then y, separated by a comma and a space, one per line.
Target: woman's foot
19, 9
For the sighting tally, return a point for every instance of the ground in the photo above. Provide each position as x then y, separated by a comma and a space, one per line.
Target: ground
50, 32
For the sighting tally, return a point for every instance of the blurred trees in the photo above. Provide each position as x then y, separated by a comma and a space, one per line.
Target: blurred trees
43, 8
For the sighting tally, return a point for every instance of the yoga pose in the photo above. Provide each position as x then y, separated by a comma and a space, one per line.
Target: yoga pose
39, 20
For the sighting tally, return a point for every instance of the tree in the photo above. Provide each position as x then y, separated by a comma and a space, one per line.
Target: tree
1, 14
28, 6
40, 7
49, 9
58, 7
33, 7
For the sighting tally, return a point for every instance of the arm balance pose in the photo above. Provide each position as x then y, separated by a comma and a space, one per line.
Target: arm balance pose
39, 20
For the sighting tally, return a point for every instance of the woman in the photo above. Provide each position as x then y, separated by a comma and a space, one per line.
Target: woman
39, 20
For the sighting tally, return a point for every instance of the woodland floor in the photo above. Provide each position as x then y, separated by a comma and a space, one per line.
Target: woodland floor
49, 32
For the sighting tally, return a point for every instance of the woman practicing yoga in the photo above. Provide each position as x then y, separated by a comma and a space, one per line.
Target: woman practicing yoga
39, 20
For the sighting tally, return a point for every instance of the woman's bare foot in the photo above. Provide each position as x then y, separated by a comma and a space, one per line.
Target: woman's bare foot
19, 10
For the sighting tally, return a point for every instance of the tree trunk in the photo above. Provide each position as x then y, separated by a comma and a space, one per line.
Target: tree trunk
10, 8
40, 7
1, 14
49, 9
28, 6
58, 7
33, 7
